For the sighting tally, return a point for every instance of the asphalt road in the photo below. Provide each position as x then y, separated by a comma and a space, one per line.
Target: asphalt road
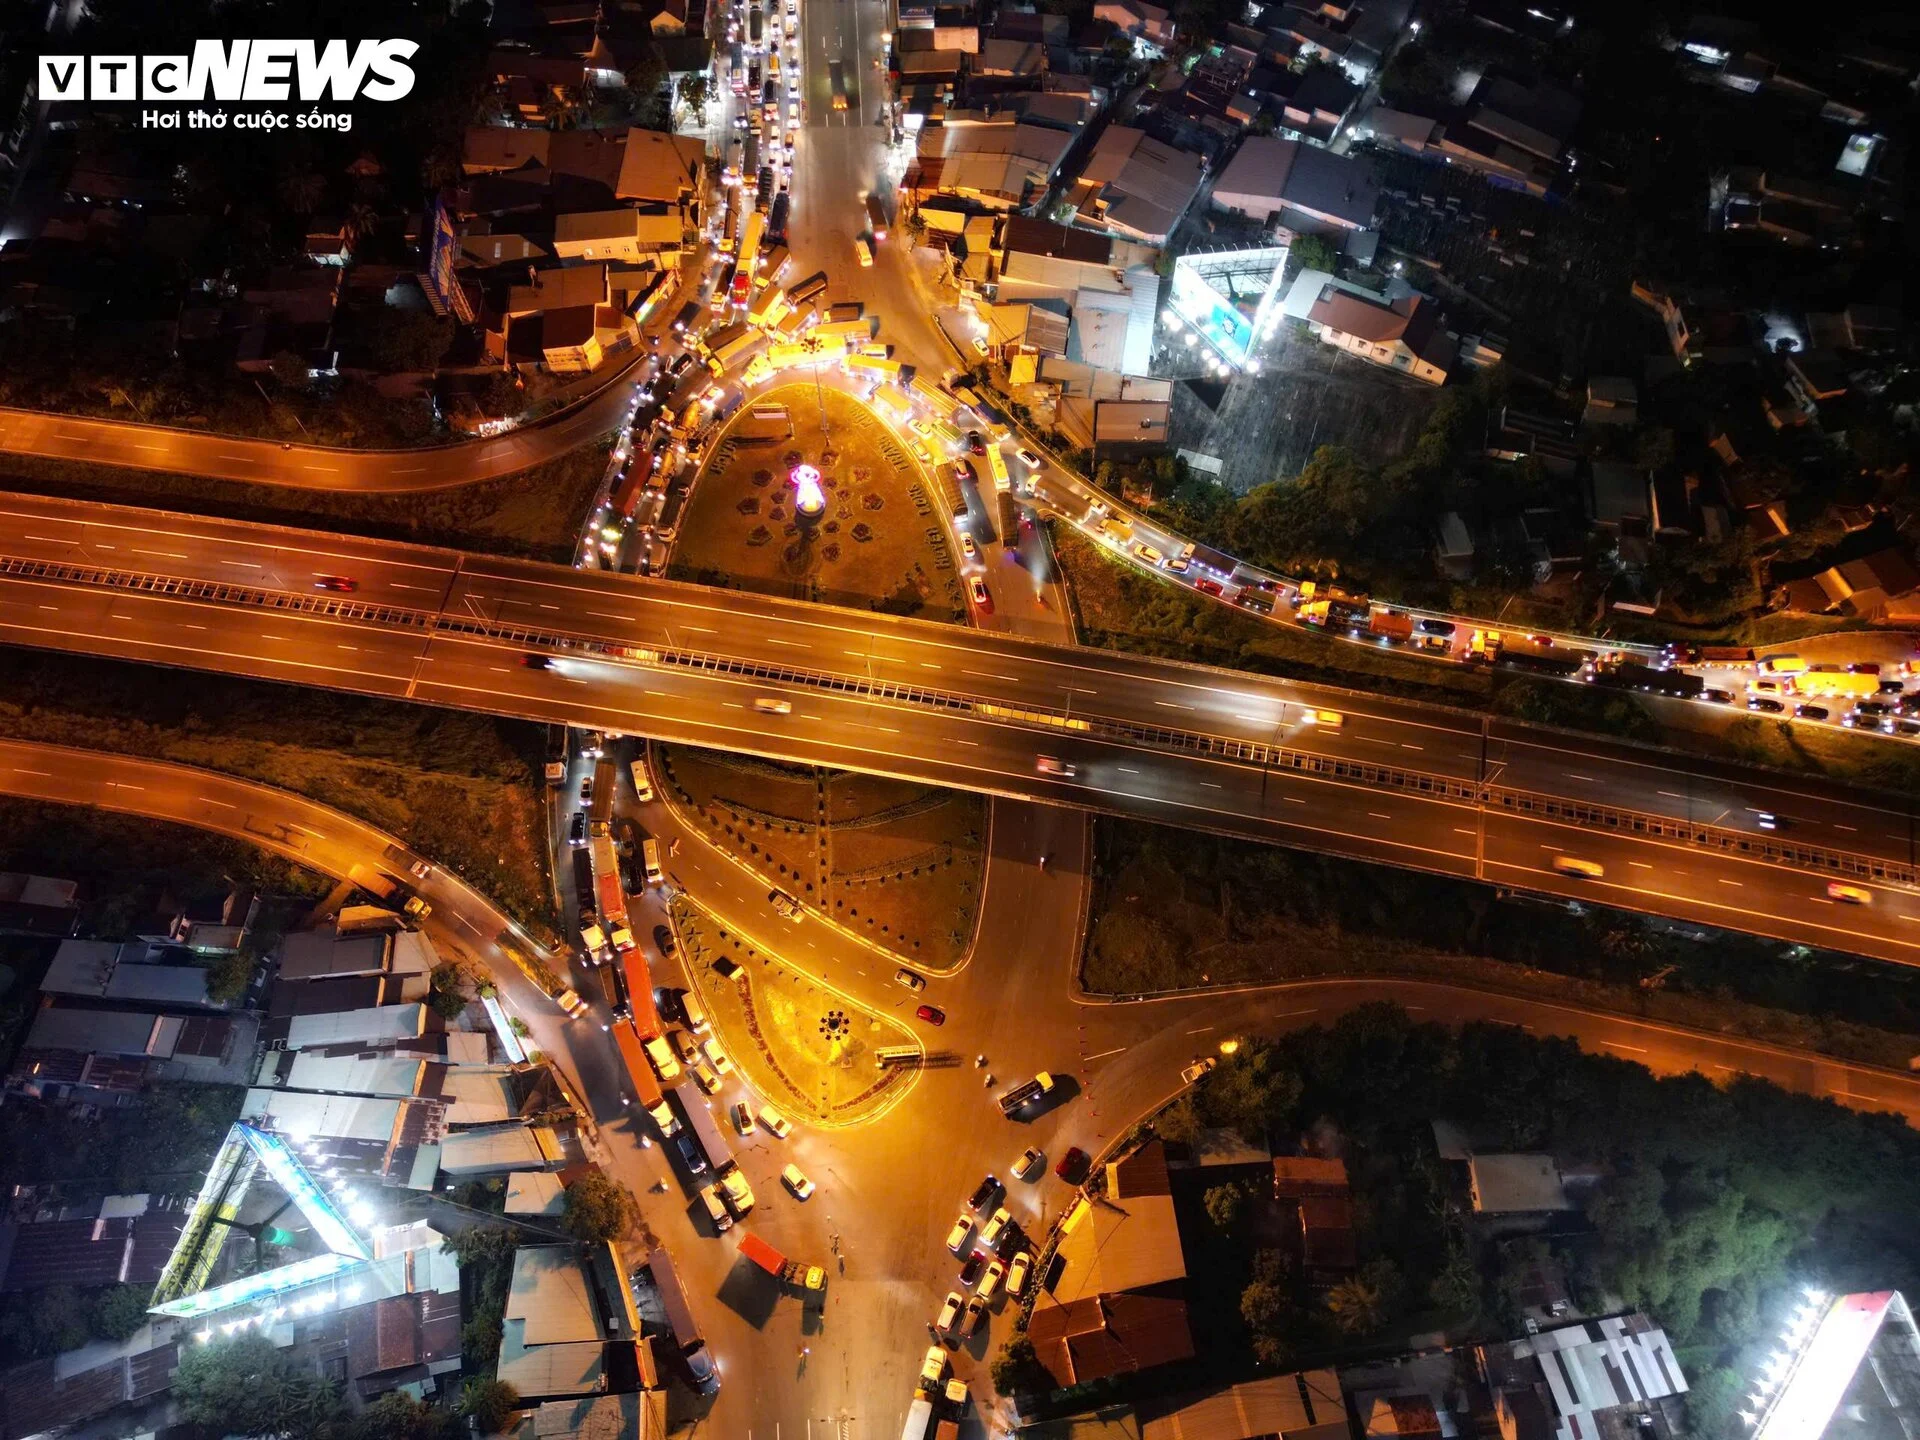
888, 1191
1351, 813
318, 467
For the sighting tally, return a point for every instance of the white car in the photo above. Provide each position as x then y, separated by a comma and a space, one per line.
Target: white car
1194, 1071
967, 547
1017, 1274
1029, 1164
958, 1236
777, 1124
718, 1056
950, 1313
933, 1369
743, 1118
990, 1282
798, 1183
996, 1230
706, 1079
739, 1194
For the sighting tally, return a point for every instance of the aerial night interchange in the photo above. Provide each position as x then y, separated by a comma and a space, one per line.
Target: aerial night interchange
1077, 719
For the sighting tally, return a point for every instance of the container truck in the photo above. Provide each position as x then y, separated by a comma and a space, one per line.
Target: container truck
919, 1420
837, 77
713, 1144
876, 217
646, 1085
641, 1009
1836, 682
787, 1272
688, 1342
1391, 625
1009, 520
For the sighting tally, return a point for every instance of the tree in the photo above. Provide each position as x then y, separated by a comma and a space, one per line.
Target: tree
398, 1416
1178, 1124
289, 369
448, 990
1456, 1285
693, 92
1263, 1305
395, 341
116, 1313
248, 1385
1314, 252
489, 1403
1017, 1370
598, 1207
1363, 1303
1222, 1204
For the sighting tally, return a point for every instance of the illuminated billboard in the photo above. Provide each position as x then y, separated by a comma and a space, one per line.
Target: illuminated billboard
1861, 1349
1229, 300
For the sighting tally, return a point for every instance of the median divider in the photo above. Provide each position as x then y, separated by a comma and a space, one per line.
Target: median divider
1478, 795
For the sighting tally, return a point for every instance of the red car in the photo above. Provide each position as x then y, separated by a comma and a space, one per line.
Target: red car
932, 1014
336, 582
1070, 1163
1206, 586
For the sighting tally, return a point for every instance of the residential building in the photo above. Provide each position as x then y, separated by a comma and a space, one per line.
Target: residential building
638, 1416
1612, 1379
1404, 335
1302, 186
632, 236
136, 971
661, 169
1135, 186
1611, 400
1619, 502
115, 1240
1883, 586
109, 1055
1319, 104
1307, 1406
1523, 1186
1135, 18
1038, 260
1118, 1304
38, 904
552, 1341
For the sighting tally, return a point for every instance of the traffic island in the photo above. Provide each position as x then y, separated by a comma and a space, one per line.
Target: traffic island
894, 863
878, 544
805, 1048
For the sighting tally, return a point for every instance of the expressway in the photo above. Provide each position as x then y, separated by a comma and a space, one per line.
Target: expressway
1180, 744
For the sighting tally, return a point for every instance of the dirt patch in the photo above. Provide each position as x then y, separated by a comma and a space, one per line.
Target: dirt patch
897, 863
879, 546
806, 1049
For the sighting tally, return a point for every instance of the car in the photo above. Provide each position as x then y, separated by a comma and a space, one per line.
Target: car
664, 941
967, 547
664, 1065
571, 1002
990, 1282
976, 1312
949, 1316
963, 467
863, 252
1767, 687
987, 1193
718, 1056
1579, 869
801, 1187
534, 660
1863, 667
1194, 1071
1718, 697
1327, 719
970, 1271
1146, 552
961, 1232
976, 443
1070, 1163
767, 705
705, 1078
1029, 1164
420, 869
922, 427
1767, 820
1849, 894
933, 1369
777, 1124
743, 1118
417, 907
642, 781
339, 583
906, 977
716, 1209
1029, 459
982, 597
586, 791
687, 1046
1017, 1273
577, 829
739, 1193
1766, 704
979, 346
996, 1229
1208, 587
922, 453
786, 905
932, 1014
1048, 765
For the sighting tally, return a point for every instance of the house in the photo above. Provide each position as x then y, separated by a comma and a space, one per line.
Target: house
1308, 1406
1136, 18
1618, 500
1125, 424
1316, 1190
97, 1055
1883, 586
1304, 186
1004, 59
1118, 1304
494, 149
1513, 133
1135, 186
999, 166
1319, 103
669, 19
1611, 400
661, 169
1672, 322
1039, 260
1524, 1186
638, 1416
38, 904
1404, 335
551, 1337
1612, 1379
116, 1240
633, 236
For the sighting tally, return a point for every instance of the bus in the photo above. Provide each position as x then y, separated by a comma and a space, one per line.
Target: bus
837, 76
876, 218
997, 464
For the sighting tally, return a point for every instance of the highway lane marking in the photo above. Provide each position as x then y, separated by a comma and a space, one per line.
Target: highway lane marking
1670, 794
123, 785
241, 564
1405, 746
1584, 779
1458, 831
242, 459
323, 469
1212, 786
1170, 705
1103, 1054
162, 554
54, 608
1632, 1049
44, 774
787, 644
223, 804
1126, 770
1203, 1030
928, 665
218, 535
1734, 883
46, 540
1377, 815
1639, 864
149, 447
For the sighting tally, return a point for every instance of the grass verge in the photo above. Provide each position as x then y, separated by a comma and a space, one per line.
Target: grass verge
463, 789
536, 514
896, 862
807, 1050
1174, 910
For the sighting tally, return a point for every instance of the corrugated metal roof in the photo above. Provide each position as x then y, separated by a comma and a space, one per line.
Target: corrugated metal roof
549, 1293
